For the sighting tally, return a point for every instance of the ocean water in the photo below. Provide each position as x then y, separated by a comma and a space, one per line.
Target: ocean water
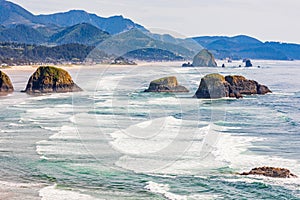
113, 141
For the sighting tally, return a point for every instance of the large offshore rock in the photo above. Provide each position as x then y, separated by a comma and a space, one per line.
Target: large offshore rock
271, 172
166, 84
218, 86
48, 79
5, 84
213, 86
204, 59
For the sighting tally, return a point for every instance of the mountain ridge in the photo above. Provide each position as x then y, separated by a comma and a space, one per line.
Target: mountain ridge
12, 14
242, 46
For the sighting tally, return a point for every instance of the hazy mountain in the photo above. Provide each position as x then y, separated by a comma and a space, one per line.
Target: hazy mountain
134, 39
61, 28
242, 46
186, 43
81, 33
240, 39
22, 34
113, 25
12, 14
77, 26
292, 51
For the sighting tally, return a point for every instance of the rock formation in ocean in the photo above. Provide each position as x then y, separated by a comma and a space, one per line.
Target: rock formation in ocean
5, 84
187, 65
47, 79
248, 63
271, 172
204, 59
166, 84
217, 86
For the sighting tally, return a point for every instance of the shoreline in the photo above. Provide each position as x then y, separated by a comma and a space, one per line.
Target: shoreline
13, 190
139, 64
66, 67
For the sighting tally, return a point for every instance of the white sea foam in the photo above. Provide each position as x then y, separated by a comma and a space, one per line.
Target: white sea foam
51, 192
151, 136
167, 145
66, 132
59, 148
18, 185
234, 151
152, 150
238, 157
164, 189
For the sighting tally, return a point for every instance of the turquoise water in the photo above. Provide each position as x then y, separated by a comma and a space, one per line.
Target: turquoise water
113, 141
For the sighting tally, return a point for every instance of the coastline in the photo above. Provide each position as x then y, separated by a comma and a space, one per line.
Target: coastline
144, 64
66, 67
11, 190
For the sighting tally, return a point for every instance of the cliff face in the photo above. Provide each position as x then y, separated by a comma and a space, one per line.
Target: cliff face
218, 86
166, 84
51, 80
5, 84
204, 59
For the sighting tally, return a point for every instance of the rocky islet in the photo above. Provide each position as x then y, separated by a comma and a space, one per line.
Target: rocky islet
217, 86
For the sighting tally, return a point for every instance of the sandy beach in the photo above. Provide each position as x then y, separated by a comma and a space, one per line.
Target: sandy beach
16, 191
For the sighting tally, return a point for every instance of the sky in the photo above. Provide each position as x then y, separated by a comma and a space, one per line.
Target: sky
266, 20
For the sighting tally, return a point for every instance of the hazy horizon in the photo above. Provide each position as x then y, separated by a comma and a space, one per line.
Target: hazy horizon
265, 20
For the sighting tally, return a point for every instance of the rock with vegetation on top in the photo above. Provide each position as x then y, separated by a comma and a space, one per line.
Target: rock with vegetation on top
47, 79
166, 84
271, 172
5, 84
217, 86
213, 86
204, 59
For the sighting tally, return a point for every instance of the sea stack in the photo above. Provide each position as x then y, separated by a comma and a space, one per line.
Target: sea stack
5, 84
248, 63
217, 86
166, 84
48, 79
204, 59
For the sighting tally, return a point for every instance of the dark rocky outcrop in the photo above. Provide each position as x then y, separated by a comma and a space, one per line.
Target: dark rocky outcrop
5, 84
271, 172
213, 86
204, 59
166, 84
187, 65
49, 79
248, 63
218, 86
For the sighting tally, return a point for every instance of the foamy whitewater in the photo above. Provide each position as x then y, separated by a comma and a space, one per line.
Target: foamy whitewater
113, 141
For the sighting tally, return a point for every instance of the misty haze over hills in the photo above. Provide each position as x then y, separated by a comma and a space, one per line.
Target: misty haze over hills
118, 35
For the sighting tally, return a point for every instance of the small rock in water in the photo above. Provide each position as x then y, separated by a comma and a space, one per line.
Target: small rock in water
166, 84
271, 172
187, 64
